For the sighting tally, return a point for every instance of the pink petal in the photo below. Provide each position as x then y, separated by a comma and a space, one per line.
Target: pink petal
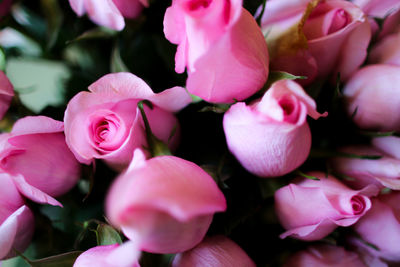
214, 251
105, 13
33, 193
386, 51
191, 191
6, 93
16, 232
78, 6
129, 8
265, 147
37, 124
127, 85
232, 69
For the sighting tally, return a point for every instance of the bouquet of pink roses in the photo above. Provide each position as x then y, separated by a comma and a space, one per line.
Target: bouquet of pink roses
277, 142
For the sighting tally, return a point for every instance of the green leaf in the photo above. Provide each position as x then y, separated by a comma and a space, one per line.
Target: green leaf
117, 64
195, 98
96, 33
106, 235
61, 260
2, 60
380, 134
218, 108
275, 76
38, 82
54, 16
298, 172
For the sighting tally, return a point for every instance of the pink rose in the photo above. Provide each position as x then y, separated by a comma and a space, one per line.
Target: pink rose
6, 93
5, 6
109, 13
216, 251
103, 256
36, 154
106, 123
16, 219
221, 46
325, 256
383, 172
373, 97
333, 39
271, 136
381, 227
387, 51
166, 204
388, 10
311, 209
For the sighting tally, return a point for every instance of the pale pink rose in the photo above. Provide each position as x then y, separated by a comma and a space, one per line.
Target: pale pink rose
271, 136
312, 209
166, 204
216, 251
16, 219
389, 10
6, 93
103, 256
325, 256
5, 6
383, 172
106, 123
336, 34
387, 51
109, 13
373, 97
380, 227
36, 155
221, 46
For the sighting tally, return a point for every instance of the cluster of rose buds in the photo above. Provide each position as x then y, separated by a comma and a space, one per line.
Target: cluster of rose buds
164, 204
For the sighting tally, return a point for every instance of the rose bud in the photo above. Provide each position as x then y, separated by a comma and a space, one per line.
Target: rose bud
380, 227
386, 10
222, 47
214, 251
16, 219
6, 93
373, 97
312, 209
324, 255
166, 204
103, 256
264, 136
109, 13
36, 154
383, 171
316, 38
387, 51
106, 122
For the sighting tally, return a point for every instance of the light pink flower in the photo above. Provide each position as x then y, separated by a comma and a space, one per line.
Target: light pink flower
166, 204
311, 209
216, 251
325, 256
108, 13
373, 97
103, 256
337, 36
271, 137
387, 51
6, 93
383, 172
16, 219
381, 227
36, 155
221, 46
106, 123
